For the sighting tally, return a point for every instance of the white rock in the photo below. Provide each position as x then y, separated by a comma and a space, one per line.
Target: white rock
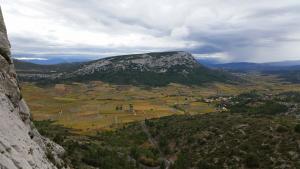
21, 146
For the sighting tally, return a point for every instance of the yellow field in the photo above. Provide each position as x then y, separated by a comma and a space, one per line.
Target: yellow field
93, 106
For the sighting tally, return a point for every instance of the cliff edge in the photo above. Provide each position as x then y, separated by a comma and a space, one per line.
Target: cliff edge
21, 146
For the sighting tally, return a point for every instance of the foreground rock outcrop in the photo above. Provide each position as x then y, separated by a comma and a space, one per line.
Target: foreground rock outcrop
21, 146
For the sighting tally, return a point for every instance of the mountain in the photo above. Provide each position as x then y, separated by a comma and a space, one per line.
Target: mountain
285, 63
208, 61
21, 145
24, 67
51, 60
269, 66
241, 66
288, 71
153, 69
290, 75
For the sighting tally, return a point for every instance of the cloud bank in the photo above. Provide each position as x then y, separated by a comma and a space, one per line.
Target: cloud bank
232, 30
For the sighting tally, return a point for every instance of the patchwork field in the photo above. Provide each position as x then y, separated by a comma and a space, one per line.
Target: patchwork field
101, 106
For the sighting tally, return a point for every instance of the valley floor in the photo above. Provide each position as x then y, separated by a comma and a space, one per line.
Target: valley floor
250, 125
101, 106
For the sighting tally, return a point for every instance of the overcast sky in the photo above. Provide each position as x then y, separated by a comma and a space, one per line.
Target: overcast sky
229, 30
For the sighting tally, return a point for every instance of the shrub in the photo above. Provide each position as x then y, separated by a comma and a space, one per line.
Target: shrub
297, 128
272, 108
252, 161
134, 152
149, 161
282, 129
183, 161
205, 165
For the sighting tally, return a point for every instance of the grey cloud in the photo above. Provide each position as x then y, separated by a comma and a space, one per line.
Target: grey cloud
244, 30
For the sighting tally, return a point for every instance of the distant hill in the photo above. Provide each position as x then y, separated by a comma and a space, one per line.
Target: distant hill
285, 63
287, 70
52, 60
291, 75
154, 69
23, 67
241, 66
269, 66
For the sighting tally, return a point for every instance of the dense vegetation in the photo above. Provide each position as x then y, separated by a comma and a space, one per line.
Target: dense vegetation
255, 103
289, 76
197, 76
253, 134
258, 130
126, 148
225, 140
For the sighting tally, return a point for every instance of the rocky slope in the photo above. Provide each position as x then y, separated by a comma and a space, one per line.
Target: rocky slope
152, 62
153, 69
21, 146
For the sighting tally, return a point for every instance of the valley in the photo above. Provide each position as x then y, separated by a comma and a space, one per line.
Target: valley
101, 106
93, 106
163, 126
115, 126
259, 129
149, 85
119, 122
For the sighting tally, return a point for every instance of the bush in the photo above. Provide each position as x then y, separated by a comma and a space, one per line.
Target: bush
205, 165
59, 139
134, 152
297, 128
149, 161
272, 108
183, 161
162, 165
282, 129
252, 161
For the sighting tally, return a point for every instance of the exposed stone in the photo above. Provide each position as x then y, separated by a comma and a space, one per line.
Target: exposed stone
143, 62
21, 146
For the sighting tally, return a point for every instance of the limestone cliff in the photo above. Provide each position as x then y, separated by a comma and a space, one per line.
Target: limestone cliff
21, 146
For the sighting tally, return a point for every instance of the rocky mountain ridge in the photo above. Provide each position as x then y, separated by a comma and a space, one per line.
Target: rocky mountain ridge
21, 146
154, 62
152, 69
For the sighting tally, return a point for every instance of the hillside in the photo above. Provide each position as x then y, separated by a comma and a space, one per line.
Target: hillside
27, 67
228, 141
288, 71
268, 66
258, 131
212, 141
291, 74
153, 69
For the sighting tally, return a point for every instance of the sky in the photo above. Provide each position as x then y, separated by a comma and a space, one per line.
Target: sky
228, 31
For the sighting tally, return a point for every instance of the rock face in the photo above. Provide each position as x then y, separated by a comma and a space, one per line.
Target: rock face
21, 146
152, 62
